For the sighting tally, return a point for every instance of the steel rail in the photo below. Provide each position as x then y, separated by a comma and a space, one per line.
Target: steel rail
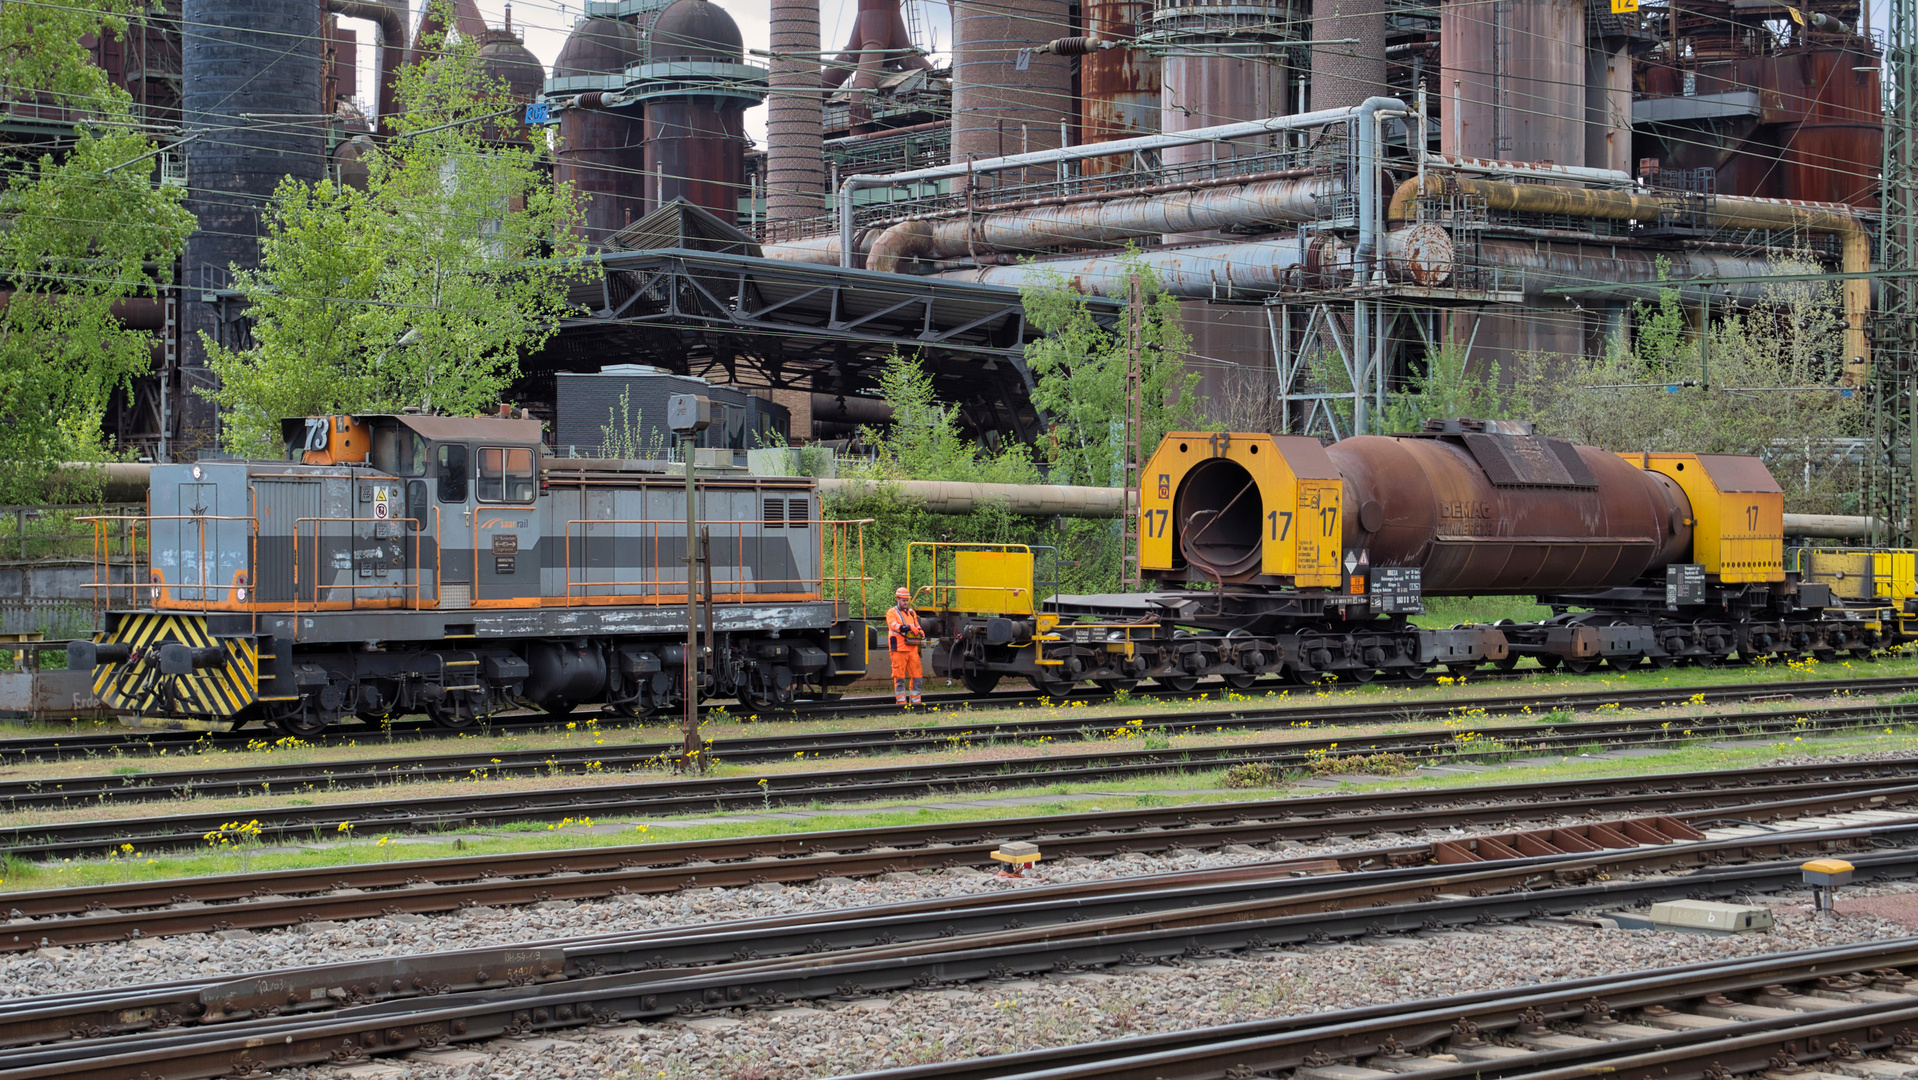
1286, 1042
904, 780
280, 898
262, 778
408, 1023
1093, 910
106, 746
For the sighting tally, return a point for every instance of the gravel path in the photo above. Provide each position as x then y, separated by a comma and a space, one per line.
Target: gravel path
829, 1038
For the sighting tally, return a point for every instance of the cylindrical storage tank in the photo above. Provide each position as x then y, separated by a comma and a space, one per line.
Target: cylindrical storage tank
505, 57
235, 164
795, 138
1484, 513
1512, 79
696, 88
1345, 75
1829, 155
1608, 106
998, 108
1118, 87
1223, 64
602, 154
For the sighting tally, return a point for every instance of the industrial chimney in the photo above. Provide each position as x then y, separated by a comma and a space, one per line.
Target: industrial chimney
795, 148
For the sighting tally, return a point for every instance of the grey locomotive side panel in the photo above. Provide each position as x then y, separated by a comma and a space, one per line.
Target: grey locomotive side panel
281, 502
202, 534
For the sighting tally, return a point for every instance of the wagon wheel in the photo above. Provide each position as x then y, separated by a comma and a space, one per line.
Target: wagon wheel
1119, 686
980, 682
1239, 681
1051, 687
1579, 666
454, 714
1179, 684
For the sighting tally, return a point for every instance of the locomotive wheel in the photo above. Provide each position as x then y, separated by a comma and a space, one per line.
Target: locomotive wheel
1240, 681
632, 710
454, 716
1179, 684
1056, 688
299, 722
980, 682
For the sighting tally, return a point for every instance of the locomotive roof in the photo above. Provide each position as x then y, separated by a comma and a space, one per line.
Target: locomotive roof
440, 428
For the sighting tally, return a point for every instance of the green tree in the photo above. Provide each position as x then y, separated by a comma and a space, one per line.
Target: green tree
1080, 370
84, 226
423, 290
925, 442
1766, 383
1444, 389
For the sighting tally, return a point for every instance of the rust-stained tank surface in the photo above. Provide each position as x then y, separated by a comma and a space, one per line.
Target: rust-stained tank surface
1500, 513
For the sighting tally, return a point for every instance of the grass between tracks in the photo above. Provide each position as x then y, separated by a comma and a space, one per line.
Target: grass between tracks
235, 851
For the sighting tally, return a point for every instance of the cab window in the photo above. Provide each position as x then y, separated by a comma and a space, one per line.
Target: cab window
398, 451
505, 474
450, 468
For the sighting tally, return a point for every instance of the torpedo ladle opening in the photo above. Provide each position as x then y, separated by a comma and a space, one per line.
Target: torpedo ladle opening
1219, 512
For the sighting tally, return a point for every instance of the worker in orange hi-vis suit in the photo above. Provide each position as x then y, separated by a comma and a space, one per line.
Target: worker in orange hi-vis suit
903, 638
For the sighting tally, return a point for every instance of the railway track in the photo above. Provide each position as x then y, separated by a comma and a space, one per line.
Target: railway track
399, 812
1840, 1010
280, 898
218, 1027
1254, 711
268, 776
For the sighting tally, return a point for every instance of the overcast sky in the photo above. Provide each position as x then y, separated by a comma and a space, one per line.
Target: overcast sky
544, 25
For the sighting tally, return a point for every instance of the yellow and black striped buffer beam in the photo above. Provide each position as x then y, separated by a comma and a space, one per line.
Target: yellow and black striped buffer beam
138, 686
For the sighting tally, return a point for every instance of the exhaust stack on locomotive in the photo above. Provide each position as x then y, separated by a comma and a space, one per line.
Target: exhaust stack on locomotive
399, 563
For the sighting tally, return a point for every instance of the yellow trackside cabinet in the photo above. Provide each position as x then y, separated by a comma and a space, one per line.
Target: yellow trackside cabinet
1738, 513
1251, 506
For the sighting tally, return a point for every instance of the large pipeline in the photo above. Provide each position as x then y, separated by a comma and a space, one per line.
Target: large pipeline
1102, 223
126, 481
1727, 212
1141, 144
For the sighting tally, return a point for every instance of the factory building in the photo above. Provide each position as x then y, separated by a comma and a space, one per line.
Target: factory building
1329, 185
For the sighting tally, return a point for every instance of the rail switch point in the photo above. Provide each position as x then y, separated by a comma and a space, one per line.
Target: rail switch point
1825, 876
1019, 856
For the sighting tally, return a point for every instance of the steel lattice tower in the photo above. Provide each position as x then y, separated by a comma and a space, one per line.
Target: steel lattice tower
1888, 490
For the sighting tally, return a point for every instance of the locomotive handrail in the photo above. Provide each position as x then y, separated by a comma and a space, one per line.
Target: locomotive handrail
353, 587
103, 590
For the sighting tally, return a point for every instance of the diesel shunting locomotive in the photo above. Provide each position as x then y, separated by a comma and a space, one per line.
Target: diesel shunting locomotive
397, 564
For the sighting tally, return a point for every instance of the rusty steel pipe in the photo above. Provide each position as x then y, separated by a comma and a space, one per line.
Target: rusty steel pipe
392, 46
1106, 222
1422, 254
1727, 212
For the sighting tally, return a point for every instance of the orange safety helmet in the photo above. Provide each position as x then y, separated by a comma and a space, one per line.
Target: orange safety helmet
902, 593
